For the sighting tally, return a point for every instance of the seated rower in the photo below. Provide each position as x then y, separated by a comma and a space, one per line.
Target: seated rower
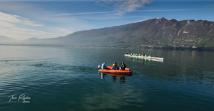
123, 66
115, 66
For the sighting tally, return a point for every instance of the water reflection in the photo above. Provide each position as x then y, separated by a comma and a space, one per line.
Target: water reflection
67, 80
115, 77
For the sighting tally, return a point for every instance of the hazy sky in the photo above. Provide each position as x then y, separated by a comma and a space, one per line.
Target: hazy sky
22, 19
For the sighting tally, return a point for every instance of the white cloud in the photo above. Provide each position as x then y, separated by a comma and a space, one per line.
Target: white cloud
125, 6
15, 19
39, 22
131, 5
20, 28
85, 13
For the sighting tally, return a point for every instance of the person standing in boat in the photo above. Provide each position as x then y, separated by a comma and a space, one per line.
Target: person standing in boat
103, 65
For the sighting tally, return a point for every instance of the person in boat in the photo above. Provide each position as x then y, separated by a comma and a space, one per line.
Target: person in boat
115, 66
103, 65
123, 66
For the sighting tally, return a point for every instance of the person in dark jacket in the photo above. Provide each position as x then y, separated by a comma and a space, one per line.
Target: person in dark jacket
123, 66
115, 66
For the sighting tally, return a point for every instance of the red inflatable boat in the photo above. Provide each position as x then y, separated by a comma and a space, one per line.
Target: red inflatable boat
109, 69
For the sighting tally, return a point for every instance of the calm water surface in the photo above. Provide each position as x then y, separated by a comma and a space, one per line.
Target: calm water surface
66, 79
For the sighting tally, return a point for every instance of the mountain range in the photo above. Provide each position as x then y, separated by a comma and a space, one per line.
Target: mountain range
152, 33
4, 39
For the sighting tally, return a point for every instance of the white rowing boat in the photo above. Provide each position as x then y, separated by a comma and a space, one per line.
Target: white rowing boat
145, 57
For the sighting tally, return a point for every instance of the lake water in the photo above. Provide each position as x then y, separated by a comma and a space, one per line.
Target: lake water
66, 79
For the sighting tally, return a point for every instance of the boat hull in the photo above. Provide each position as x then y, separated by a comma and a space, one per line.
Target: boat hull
149, 58
109, 69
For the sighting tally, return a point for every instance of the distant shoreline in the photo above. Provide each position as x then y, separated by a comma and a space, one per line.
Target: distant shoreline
123, 47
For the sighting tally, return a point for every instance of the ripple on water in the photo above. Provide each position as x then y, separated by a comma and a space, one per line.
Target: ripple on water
38, 77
